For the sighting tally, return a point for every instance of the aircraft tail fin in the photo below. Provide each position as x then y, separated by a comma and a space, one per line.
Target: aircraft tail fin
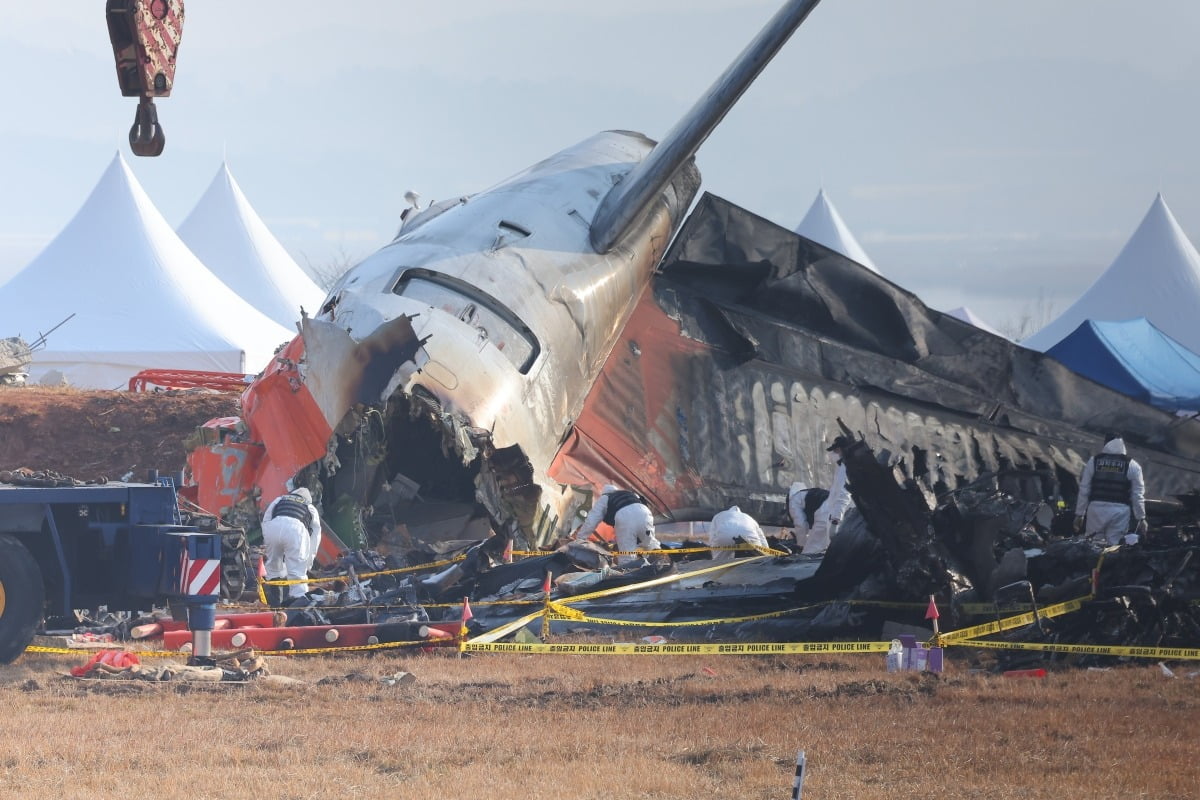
626, 202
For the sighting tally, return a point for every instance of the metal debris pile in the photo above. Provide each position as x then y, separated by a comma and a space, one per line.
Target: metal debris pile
240, 666
24, 476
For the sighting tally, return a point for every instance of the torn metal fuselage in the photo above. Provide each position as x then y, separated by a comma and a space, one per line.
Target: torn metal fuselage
457, 357
517, 296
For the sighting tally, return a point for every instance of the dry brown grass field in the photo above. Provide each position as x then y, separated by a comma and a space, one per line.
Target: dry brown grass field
559, 726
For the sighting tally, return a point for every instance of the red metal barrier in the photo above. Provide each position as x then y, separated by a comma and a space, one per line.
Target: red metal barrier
189, 379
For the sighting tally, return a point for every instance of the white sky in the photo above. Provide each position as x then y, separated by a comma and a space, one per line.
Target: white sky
995, 155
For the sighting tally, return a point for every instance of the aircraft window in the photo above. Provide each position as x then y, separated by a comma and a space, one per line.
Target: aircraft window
493, 321
514, 228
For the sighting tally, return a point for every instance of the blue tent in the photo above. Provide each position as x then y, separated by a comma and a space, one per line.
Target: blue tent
1135, 358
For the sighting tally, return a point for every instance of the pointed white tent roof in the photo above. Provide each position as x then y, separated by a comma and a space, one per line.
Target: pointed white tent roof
141, 299
232, 240
970, 317
1156, 276
824, 225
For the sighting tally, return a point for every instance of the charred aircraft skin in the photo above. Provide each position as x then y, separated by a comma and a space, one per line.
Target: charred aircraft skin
463, 350
752, 342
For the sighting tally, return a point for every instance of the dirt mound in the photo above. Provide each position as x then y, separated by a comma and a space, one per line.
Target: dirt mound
88, 434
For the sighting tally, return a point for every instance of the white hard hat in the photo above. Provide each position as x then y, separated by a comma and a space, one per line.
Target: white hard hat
608, 489
303, 493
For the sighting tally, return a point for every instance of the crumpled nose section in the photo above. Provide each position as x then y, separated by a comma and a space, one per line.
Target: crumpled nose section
340, 371
294, 407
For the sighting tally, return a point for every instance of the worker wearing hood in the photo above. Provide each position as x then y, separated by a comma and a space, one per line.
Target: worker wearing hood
1111, 496
816, 513
810, 510
291, 529
630, 517
732, 527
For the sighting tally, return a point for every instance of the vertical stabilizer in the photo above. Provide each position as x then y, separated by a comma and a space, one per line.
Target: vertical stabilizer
627, 201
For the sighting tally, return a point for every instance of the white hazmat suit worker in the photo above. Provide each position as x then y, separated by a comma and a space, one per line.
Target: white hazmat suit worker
821, 525
731, 525
809, 510
291, 530
839, 494
630, 517
1112, 496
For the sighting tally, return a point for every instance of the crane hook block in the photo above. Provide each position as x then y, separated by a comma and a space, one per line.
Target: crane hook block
145, 37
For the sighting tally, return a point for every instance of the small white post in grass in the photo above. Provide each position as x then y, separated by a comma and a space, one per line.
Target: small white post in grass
798, 783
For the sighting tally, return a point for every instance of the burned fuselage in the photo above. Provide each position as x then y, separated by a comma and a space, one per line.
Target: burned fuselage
453, 363
457, 357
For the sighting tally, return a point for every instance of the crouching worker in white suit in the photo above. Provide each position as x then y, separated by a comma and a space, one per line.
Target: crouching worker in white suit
829, 514
730, 526
630, 517
809, 510
291, 530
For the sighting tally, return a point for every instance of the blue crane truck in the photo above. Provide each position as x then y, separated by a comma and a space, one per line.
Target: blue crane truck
120, 545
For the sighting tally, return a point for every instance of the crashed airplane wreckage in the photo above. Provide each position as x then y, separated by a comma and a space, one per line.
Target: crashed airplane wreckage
511, 350
752, 348
449, 366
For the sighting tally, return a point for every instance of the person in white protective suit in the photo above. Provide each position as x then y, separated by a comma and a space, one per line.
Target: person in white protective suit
809, 510
630, 517
730, 526
1112, 497
830, 513
291, 529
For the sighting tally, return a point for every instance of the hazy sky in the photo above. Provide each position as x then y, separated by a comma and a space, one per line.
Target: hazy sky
996, 155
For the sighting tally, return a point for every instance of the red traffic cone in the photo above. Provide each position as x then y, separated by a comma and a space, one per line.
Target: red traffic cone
932, 612
467, 616
262, 568
507, 555
546, 586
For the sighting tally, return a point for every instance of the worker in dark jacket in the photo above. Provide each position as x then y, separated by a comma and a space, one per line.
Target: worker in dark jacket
291, 530
1111, 496
630, 517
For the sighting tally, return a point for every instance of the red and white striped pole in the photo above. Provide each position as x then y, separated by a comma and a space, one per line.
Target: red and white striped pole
200, 586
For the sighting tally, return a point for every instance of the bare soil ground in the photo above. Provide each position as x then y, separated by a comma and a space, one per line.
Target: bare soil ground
88, 434
548, 726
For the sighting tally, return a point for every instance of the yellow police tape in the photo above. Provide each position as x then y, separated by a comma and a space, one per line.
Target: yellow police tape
79, 651
1017, 621
262, 605
441, 642
766, 551
75, 651
665, 579
363, 576
629, 648
561, 612
736, 548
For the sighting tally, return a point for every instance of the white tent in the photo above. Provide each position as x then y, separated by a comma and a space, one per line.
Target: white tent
970, 317
1156, 276
232, 240
140, 298
824, 225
